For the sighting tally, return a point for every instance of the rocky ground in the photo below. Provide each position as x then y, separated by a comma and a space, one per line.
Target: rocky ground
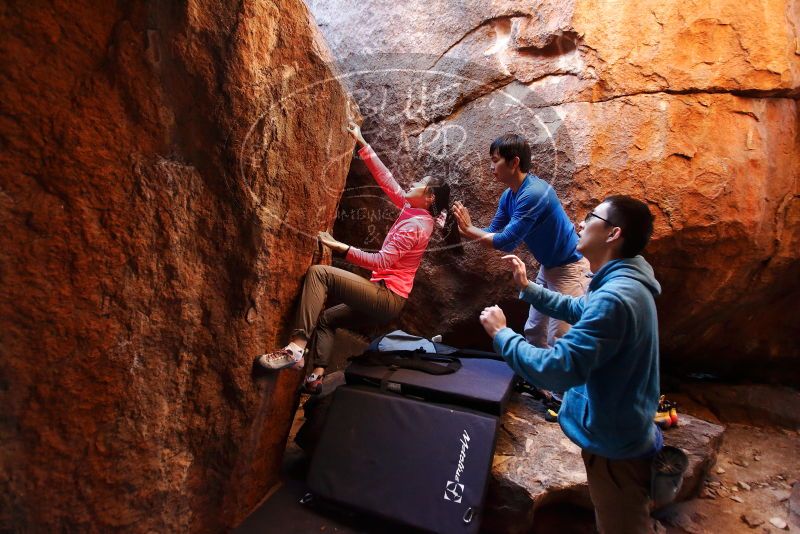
537, 470
743, 441
753, 486
750, 488
751, 464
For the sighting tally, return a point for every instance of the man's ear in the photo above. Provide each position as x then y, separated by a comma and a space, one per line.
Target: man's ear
615, 234
515, 163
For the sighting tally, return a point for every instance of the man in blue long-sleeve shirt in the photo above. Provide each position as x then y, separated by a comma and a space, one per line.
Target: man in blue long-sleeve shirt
607, 362
529, 211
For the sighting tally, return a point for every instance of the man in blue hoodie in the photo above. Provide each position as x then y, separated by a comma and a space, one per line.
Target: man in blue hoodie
607, 363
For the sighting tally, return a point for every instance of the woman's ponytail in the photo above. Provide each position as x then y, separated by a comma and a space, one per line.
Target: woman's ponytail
445, 219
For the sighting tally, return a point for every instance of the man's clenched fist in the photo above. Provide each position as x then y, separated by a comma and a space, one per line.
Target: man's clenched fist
493, 320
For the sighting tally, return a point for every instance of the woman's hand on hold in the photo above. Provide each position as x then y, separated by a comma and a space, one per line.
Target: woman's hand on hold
518, 271
328, 240
355, 131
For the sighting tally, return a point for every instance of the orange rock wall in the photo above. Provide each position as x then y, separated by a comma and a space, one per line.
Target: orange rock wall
150, 153
691, 106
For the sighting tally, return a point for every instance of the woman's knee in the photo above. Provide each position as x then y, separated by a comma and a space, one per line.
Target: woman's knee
319, 271
329, 319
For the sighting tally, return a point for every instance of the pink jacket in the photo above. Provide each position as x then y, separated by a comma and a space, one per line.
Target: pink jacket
401, 253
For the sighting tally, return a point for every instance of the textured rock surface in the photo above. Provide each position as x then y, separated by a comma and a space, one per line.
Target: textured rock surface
752, 482
151, 152
690, 106
752, 404
536, 465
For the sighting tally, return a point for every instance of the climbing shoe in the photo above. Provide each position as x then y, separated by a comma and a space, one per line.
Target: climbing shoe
667, 413
552, 401
313, 384
289, 356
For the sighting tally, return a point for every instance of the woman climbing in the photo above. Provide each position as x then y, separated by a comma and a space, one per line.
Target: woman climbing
365, 302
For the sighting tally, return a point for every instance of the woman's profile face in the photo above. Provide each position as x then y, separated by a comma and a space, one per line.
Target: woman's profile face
419, 194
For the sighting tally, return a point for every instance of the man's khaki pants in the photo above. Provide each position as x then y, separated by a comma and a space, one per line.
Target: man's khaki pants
570, 279
620, 491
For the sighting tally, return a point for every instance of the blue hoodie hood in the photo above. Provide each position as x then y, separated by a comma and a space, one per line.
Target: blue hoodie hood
635, 268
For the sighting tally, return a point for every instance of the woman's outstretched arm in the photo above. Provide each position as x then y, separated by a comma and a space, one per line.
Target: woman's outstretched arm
376, 167
405, 238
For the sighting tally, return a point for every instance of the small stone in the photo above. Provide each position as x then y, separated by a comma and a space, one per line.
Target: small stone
744, 485
780, 494
736, 498
741, 463
757, 458
794, 506
734, 488
708, 494
720, 471
713, 484
751, 522
778, 523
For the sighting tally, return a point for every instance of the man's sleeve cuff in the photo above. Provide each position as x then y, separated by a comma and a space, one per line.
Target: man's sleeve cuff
501, 337
365, 152
530, 293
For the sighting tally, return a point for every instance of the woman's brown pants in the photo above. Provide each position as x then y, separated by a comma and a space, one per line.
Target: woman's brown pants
364, 303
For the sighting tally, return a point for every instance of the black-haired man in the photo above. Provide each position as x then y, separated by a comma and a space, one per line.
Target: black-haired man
529, 211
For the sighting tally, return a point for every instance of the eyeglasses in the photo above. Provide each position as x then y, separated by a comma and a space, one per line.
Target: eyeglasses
593, 214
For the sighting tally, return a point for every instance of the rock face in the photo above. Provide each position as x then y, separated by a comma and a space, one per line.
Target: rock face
536, 465
753, 404
163, 168
691, 107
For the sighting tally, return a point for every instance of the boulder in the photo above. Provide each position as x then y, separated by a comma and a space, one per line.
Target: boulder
759, 405
537, 466
701, 441
534, 465
166, 167
690, 107
587, 51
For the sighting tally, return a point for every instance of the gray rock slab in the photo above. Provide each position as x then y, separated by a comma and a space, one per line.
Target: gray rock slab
536, 465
